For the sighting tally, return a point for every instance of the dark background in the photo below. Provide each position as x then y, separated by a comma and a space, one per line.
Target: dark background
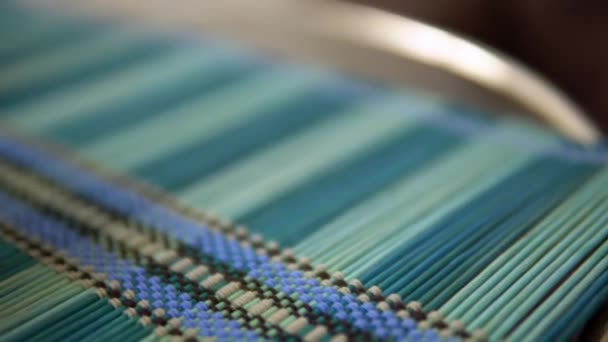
565, 40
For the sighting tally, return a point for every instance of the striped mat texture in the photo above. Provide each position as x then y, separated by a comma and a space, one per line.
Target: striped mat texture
156, 187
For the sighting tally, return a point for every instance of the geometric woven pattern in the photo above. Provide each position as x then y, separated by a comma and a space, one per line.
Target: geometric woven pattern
152, 187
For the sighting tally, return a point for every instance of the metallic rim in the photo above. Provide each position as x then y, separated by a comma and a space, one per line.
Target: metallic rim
373, 29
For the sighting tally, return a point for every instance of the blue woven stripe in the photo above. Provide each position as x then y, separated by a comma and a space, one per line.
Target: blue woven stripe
328, 300
60, 237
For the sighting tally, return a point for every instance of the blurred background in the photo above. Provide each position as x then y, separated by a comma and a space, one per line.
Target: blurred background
565, 40
209, 127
